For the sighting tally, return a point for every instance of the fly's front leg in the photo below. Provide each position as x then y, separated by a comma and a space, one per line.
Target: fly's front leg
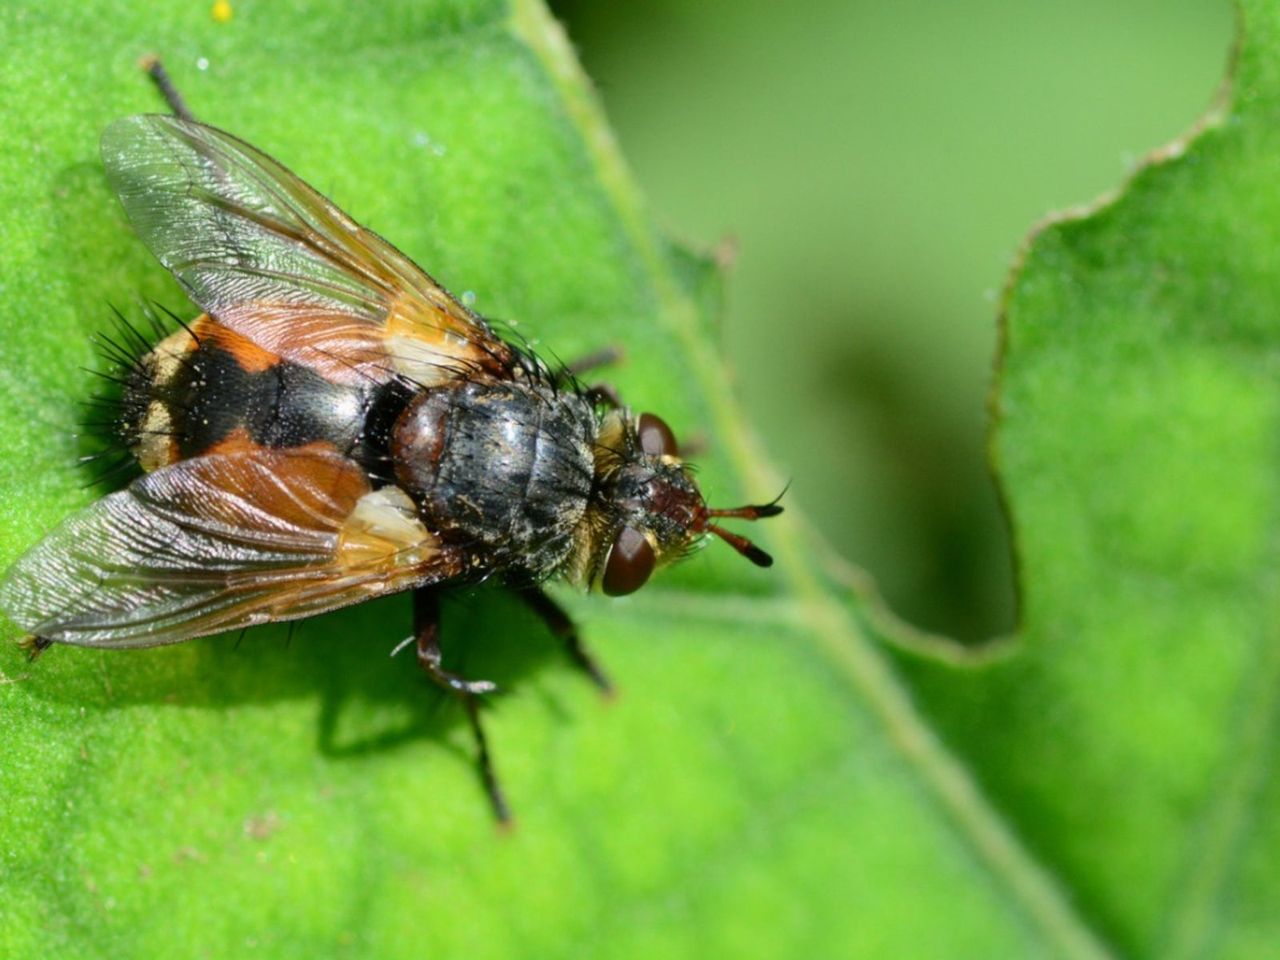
558, 622
426, 628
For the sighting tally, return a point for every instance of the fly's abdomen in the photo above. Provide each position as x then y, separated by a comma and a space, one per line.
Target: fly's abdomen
504, 470
206, 389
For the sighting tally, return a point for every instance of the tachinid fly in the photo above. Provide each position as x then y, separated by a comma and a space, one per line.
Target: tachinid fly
336, 426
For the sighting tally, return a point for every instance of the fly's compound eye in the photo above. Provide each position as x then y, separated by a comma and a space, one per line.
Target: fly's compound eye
656, 438
630, 562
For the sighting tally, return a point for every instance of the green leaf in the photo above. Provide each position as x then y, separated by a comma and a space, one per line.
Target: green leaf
1129, 733
788, 771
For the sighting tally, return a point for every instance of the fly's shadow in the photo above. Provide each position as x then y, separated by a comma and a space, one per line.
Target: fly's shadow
379, 703
369, 702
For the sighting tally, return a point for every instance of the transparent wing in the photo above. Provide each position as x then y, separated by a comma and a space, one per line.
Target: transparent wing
277, 262
217, 543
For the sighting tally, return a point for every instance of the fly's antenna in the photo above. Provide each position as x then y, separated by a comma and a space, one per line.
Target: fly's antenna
740, 543
757, 512
160, 77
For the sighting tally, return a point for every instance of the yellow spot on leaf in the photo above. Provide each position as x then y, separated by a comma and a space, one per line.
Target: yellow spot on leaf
222, 11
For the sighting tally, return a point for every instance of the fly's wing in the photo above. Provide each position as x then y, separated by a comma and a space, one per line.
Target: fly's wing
220, 542
275, 261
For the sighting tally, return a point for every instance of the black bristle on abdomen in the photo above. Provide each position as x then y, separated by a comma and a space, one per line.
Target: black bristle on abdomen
113, 417
136, 395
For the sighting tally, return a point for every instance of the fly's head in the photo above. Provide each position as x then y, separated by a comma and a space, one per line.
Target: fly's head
647, 510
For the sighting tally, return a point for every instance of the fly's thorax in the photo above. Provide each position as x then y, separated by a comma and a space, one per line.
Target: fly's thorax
503, 470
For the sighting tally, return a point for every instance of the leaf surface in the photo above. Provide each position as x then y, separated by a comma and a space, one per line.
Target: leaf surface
787, 771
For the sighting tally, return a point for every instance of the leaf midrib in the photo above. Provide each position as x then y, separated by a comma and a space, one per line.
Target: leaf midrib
1030, 887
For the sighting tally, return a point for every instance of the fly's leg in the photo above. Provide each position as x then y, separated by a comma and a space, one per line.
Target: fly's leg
426, 628
160, 77
34, 646
695, 446
605, 357
603, 393
558, 622
607, 394
485, 761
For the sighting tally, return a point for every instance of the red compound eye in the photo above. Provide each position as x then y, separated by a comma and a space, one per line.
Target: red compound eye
630, 562
656, 438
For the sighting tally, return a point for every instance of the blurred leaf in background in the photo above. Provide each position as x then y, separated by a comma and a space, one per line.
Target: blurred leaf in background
876, 165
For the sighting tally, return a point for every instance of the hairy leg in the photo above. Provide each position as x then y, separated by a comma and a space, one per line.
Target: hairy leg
559, 623
160, 76
426, 628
